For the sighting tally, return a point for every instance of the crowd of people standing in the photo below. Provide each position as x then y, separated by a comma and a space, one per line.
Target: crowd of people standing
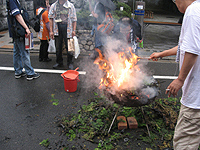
56, 21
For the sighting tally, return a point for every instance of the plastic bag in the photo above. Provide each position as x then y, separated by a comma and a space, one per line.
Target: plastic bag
52, 47
29, 43
71, 45
76, 47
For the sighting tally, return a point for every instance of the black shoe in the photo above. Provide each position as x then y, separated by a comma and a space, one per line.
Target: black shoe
40, 59
20, 75
57, 66
47, 60
31, 77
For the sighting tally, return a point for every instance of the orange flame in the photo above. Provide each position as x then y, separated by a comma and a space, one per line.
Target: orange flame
117, 73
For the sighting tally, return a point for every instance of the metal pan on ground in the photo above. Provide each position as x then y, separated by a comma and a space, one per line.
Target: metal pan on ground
144, 96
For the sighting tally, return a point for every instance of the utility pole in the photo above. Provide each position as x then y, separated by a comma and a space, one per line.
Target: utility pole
139, 13
133, 5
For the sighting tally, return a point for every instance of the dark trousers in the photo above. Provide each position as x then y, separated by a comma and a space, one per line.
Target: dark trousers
62, 32
43, 49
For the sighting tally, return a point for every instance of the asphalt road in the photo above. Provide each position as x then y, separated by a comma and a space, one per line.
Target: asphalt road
27, 113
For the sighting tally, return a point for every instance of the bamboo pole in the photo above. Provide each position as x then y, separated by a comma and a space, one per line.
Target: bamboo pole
113, 120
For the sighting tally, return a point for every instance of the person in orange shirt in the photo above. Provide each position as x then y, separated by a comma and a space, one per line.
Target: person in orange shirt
43, 34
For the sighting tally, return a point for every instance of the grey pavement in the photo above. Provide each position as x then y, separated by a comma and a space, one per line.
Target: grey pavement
7, 45
161, 37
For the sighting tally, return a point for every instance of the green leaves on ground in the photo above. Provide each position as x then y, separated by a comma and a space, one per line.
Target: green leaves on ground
93, 121
45, 143
54, 101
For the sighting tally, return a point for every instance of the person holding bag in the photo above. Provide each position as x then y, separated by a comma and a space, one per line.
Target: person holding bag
43, 34
21, 56
62, 20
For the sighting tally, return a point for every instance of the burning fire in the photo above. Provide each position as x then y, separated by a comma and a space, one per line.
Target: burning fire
124, 80
120, 70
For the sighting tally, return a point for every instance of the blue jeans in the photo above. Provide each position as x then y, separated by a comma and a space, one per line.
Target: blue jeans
98, 37
21, 57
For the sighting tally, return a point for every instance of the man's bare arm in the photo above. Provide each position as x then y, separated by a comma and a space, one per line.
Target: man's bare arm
22, 22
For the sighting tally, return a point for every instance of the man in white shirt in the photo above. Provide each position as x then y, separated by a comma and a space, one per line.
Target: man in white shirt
62, 22
187, 131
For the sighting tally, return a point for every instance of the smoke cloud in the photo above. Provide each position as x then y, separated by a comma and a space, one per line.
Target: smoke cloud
135, 78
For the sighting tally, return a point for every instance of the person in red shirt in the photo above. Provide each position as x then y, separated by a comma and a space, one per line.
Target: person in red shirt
43, 34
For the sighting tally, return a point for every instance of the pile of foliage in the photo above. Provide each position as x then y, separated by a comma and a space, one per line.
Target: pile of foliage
92, 123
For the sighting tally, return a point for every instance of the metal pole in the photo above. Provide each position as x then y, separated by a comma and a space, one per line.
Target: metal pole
133, 6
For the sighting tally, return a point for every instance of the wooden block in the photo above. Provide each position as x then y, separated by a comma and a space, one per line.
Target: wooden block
122, 124
132, 123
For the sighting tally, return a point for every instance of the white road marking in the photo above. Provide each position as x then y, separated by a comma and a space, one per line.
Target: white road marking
80, 72
165, 77
42, 70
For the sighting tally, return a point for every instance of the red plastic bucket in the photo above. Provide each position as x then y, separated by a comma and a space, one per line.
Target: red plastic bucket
70, 84
70, 80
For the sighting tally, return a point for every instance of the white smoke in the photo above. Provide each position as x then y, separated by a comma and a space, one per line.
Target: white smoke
135, 79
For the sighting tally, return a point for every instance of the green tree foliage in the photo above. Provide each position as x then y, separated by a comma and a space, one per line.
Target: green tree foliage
125, 13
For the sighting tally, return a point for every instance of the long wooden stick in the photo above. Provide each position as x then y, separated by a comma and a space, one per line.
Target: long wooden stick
146, 122
113, 119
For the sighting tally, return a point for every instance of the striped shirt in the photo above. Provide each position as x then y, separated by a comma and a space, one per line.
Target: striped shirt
71, 17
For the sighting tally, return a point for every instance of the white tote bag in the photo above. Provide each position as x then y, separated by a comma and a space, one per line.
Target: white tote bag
52, 47
76, 47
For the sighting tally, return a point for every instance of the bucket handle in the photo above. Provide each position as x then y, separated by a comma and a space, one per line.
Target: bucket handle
76, 68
